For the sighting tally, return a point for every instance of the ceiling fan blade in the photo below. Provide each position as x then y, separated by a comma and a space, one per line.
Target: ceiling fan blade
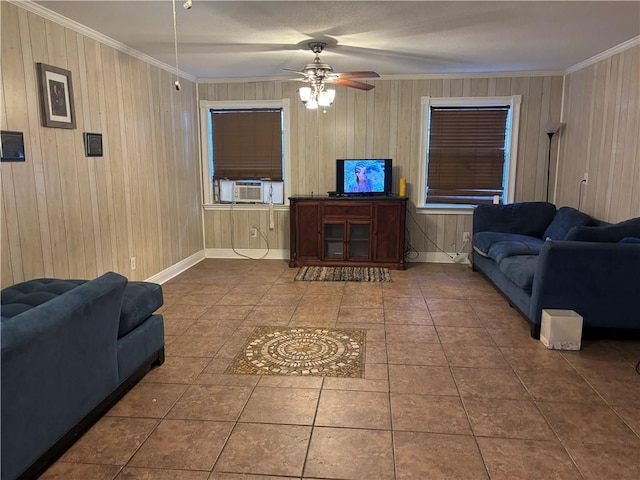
350, 83
294, 71
357, 75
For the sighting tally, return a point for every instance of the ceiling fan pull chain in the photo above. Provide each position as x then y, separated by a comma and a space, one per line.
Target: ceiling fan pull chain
175, 44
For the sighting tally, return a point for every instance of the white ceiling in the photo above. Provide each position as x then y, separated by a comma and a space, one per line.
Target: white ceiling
233, 39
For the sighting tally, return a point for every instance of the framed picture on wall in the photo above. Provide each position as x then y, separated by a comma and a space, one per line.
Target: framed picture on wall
92, 144
11, 146
56, 97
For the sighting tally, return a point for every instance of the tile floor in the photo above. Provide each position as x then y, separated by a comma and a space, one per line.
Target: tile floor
454, 388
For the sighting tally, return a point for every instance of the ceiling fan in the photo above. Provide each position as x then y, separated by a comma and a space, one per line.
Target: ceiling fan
318, 74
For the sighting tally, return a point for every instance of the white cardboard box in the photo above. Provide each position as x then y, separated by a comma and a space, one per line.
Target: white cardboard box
561, 329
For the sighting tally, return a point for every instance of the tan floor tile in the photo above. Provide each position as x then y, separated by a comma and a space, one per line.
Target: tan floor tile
509, 459
515, 337
239, 299
549, 386
321, 300
422, 380
489, 383
135, 473
360, 299
310, 315
211, 402
207, 299
475, 356
631, 416
294, 406
194, 346
599, 462
269, 315
282, 381
177, 326
375, 352
376, 371
177, 370
411, 333
224, 379
587, 423
227, 312
184, 310
448, 305
183, 445
152, 400
360, 315
442, 291
265, 449
507, 419
421, 456
416, 353
205, 327
616, 391
80, 471
408, 317
281, 299
341, 408
535, 359
456, 319
464, 336
429, 413
357, 384
403, 304
242, 476
111, 441
349, 453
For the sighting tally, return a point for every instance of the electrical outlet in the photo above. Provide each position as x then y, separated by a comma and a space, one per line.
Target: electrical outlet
253, 233
585, 178
132, 263
466, 236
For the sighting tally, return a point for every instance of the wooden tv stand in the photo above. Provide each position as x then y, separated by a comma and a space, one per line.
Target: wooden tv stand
347, 231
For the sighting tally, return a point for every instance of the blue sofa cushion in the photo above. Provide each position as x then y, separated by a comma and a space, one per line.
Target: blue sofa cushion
607, 233
482, 241
520, 269
24, 296
630, 240
140, 300
526, 218
565, 220
500, 250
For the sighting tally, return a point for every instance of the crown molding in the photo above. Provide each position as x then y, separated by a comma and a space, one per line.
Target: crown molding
604, 55
33, 7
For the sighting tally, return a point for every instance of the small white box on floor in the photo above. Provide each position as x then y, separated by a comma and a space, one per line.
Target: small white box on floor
561, 329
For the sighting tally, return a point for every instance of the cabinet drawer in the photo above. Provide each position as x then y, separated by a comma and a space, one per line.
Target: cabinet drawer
346, 210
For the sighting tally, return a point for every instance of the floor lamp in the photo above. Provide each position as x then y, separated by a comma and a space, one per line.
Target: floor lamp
552, 129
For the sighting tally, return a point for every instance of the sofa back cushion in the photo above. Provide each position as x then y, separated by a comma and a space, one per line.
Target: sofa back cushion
565, 220
24, 296
139, 301
525, 218
607, 233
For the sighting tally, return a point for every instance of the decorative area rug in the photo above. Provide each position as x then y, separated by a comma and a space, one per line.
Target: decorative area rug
308, 351
343, 274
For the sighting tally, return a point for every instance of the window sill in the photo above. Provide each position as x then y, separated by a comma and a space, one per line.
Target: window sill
244, 206
445, 209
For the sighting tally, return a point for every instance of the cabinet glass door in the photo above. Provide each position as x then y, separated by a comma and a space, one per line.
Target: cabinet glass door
359, 239
334, 240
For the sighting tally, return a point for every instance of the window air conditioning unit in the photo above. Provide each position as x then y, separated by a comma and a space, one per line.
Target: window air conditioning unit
241, 191
247, 192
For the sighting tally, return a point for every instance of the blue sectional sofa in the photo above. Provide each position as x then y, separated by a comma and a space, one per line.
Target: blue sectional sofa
541, 257
70, 350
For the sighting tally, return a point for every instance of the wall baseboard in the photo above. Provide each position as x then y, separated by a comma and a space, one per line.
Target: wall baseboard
253, 253
177, 268
440, 257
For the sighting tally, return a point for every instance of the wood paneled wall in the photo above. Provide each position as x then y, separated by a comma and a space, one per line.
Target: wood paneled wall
385, 123
602, 138
68, 216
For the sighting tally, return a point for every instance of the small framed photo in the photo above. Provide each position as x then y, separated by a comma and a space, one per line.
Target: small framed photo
56, 97
11, 146
92, 144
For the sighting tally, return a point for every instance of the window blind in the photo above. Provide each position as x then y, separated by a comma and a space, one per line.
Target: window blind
247, 144
466, 154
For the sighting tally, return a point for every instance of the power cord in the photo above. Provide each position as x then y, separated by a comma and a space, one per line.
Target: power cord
452, 257
266, 240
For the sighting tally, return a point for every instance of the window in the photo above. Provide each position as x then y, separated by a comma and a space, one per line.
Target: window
468, 148
244, 149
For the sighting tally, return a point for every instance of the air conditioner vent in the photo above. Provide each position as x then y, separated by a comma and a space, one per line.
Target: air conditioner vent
247, 192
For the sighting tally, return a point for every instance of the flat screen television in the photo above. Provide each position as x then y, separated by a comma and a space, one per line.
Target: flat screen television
364, 176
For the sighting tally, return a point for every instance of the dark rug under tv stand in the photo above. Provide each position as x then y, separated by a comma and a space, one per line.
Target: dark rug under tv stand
362, 230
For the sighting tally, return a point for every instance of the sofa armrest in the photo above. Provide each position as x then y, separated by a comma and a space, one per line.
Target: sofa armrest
600, 281
59, 360
525, 218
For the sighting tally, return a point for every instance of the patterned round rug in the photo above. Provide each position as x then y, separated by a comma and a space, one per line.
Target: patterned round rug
328, 352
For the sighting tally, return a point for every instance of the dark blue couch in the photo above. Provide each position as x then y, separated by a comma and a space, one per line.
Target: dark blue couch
542, 257
70, 350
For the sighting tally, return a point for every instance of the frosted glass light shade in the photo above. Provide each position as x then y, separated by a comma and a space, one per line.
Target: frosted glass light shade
305, 93
312, 104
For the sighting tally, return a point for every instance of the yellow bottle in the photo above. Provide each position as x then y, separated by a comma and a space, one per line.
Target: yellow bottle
403, 187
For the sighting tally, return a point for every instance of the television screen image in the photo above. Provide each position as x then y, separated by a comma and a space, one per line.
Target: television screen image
364, 176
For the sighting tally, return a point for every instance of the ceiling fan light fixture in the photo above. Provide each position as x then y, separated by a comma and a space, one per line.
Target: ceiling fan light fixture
305, 94
324, 99
312, 104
